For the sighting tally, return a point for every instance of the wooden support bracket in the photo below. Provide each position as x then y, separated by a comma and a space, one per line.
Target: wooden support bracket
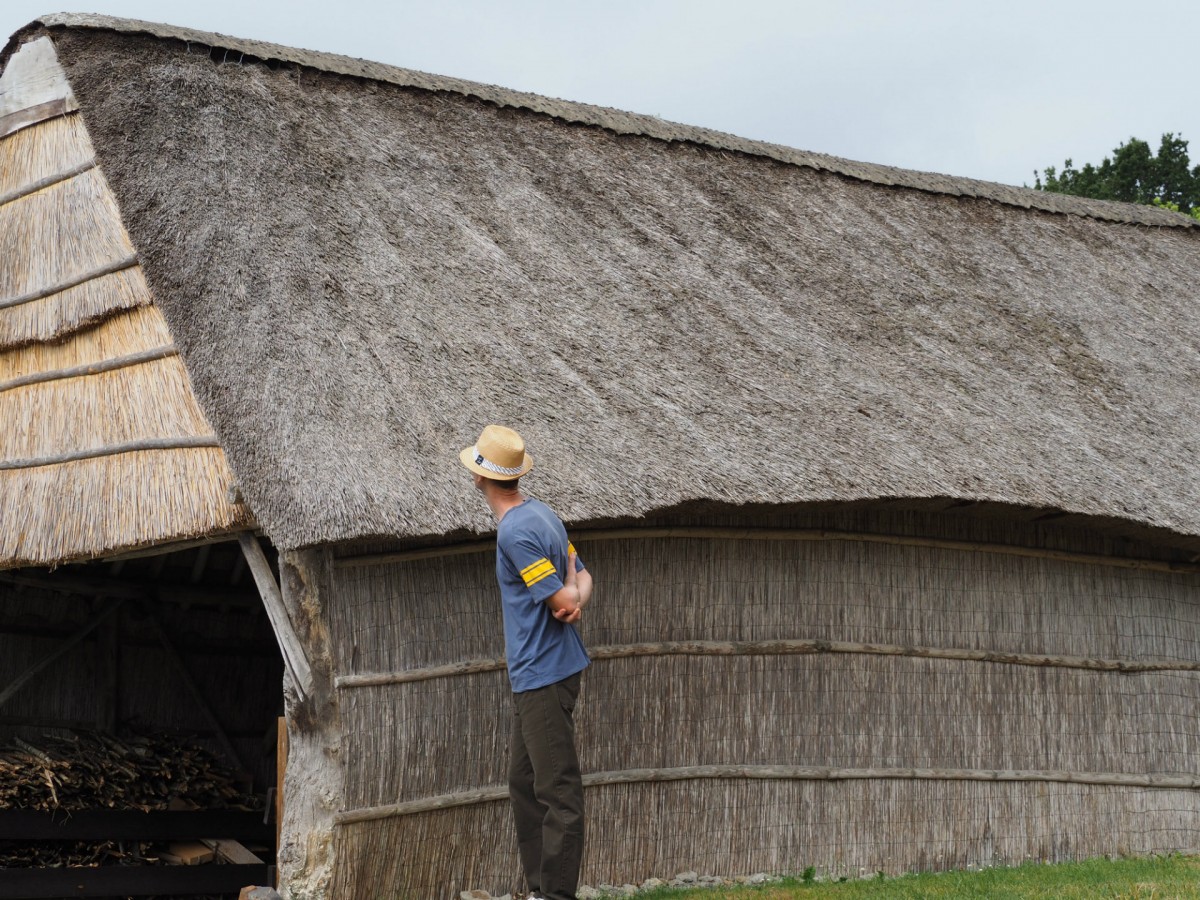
290, 646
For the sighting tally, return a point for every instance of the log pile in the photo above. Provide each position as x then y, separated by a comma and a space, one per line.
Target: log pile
98, 771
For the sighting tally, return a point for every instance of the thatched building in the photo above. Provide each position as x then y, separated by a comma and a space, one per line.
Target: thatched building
887, 479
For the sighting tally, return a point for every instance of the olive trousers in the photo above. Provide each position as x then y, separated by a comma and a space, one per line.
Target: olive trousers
546, 788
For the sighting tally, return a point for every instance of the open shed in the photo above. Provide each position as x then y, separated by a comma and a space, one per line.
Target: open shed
887, 479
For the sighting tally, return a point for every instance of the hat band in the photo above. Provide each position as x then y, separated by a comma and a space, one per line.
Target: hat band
491, 466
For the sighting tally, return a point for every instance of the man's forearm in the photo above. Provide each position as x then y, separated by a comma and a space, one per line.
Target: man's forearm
566, 597
583, 583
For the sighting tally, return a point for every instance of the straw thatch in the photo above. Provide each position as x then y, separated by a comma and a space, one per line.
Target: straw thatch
667, 314
40, 253
122, 334
104, 446
35, 154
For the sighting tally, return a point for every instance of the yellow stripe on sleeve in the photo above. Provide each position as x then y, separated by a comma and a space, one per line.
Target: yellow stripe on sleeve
534, 574
540, 562
532, 580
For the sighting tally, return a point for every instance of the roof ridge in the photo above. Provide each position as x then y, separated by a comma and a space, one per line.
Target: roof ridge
621, 122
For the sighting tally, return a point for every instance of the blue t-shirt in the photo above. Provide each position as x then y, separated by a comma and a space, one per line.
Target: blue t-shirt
531, 552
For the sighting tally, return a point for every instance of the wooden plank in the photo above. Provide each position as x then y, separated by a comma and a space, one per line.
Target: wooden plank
131, 825
497, 792
290, 646
34, 115
21, 680
784, 534
32, 79
191, 853
123, 881
232, 852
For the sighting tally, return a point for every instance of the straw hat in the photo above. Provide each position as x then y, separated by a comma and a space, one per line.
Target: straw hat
499, 454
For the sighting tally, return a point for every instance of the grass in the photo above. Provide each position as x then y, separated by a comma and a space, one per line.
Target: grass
1148, 878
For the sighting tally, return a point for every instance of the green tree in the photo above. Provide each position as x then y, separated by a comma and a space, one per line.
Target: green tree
1134, 175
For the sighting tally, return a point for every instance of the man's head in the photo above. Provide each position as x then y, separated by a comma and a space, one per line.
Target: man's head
498, 458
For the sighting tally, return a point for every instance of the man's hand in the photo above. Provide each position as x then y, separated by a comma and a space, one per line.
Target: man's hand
570, 617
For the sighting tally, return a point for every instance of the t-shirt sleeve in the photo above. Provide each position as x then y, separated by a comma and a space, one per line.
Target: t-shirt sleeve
533, 564
579, 567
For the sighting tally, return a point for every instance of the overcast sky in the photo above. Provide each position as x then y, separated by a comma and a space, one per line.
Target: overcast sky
990, 90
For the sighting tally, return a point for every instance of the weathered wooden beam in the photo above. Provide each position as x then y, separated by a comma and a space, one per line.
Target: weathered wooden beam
281, 761
493, 793
23, 679
219, 537
132, 589
791, 647
109, 268
784, 534
49, 181
190, 442
294, 657
107, 365
127, 825
13, 122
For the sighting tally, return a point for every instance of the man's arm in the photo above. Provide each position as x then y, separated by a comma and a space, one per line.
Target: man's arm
567, 602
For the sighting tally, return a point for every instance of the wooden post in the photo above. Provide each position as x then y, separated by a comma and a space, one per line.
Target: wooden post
281, 754
294, 657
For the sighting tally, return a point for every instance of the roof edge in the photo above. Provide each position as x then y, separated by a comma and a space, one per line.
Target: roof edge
620, 122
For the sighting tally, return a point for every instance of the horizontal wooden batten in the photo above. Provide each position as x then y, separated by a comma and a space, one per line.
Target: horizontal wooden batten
13, 122
495, 793
783, 534
174, 443
797, 647
99, 272
107, 365
48, 181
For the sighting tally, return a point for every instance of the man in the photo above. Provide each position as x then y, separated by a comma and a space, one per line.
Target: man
543, 590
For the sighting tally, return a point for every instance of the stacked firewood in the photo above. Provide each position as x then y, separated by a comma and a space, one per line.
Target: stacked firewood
97, 771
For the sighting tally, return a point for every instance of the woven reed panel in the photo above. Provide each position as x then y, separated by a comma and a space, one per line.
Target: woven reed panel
449, 734
850, 828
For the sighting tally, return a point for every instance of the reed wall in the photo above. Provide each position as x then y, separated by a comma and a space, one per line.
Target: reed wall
778, 718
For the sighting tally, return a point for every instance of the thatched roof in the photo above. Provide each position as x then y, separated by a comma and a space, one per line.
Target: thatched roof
363, 265
104, 446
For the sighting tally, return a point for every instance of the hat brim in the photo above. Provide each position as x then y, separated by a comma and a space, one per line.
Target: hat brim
468, 461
